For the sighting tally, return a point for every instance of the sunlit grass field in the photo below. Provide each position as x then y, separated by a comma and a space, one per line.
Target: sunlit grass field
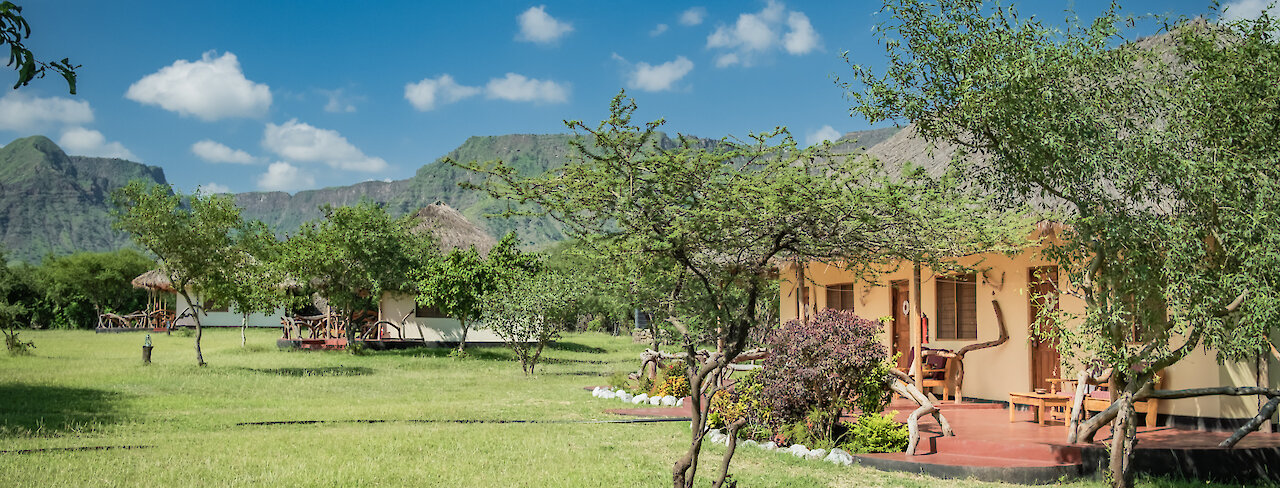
174, 424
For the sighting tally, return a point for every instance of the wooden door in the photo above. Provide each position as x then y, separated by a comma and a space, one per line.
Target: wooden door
901, 325
1045, 360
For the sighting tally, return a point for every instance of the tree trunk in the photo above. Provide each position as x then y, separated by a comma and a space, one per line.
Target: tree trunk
686, 468
728, 453
244, 327
1123, 439
195, 315
917, 327
462, 346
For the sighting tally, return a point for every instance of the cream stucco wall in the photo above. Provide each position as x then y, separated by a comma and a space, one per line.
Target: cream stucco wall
394, 306
994, 372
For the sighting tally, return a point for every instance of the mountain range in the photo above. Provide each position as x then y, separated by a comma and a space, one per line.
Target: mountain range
54, 203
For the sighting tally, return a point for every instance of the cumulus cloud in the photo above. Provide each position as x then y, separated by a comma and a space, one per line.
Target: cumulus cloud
518, 88
826, 133
755, 34
661, 77
25, 113
693, 16
216, 152
211, 88
212, 189
88, 142
658, 30
302, 143
1245, 9
538, 27
430, 93
282, 176
801, 39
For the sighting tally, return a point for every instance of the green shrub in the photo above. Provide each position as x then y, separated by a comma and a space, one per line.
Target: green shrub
879, 433
620, 379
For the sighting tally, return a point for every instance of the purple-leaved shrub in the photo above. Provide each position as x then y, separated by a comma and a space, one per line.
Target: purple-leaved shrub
834, 361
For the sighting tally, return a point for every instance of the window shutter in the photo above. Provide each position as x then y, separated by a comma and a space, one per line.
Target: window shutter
967, 306
946, 318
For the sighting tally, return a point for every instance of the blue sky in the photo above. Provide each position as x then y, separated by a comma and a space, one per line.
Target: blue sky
265, 95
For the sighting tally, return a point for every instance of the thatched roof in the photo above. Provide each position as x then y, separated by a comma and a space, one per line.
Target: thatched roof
452, 229
154, 279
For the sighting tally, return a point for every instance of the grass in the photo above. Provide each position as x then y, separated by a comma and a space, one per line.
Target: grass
80, 389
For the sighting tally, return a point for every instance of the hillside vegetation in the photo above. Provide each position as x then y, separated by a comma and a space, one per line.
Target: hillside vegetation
53, 203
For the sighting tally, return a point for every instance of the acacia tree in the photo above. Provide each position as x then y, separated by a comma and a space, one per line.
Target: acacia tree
1161, 152
192, 236
256, 283
354, 255
723, 214
529, 312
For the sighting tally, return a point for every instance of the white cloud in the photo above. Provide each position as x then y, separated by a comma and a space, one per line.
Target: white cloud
216, 152
802, 39
302, 143
660, 77
517, 88
826, 133
213, 189
693, 16
538, 27
339, 102
282, 176
1245, 9
25, 113
429, 93
209, 89
755, 34
88, 142
658, 30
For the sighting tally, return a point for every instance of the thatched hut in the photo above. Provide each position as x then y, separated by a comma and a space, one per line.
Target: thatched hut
157, 284
453, 231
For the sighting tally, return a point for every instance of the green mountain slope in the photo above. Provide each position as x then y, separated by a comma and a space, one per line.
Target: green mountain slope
54, 203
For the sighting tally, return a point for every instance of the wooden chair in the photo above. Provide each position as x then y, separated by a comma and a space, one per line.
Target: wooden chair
940, 369
1098, 400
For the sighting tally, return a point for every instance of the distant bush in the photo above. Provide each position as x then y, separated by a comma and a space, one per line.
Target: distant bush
816, 369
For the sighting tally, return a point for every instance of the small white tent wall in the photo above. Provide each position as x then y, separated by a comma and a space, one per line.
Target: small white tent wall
227, 319
394, 306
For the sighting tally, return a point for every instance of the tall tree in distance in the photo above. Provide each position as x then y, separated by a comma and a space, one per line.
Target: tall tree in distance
13, 30
1162, 153
192, 237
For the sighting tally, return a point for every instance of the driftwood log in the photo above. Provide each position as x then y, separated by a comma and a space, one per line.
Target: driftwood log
901, 384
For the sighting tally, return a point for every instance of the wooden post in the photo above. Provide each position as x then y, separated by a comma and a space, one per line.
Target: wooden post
1264, 381
917, 342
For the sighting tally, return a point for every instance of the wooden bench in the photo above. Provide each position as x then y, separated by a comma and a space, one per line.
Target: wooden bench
1042, 402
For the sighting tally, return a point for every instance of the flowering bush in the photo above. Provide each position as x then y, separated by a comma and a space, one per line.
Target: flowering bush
823, 365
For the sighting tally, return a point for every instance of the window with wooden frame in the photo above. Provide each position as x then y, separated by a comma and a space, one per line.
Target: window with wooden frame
840, 296
957, 307
427, 312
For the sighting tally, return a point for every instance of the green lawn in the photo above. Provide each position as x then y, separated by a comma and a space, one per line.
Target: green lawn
81, 389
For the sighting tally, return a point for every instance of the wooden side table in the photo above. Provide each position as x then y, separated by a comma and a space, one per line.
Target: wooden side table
1040, 401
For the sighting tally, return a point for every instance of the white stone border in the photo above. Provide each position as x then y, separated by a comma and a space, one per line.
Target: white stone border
835, 456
